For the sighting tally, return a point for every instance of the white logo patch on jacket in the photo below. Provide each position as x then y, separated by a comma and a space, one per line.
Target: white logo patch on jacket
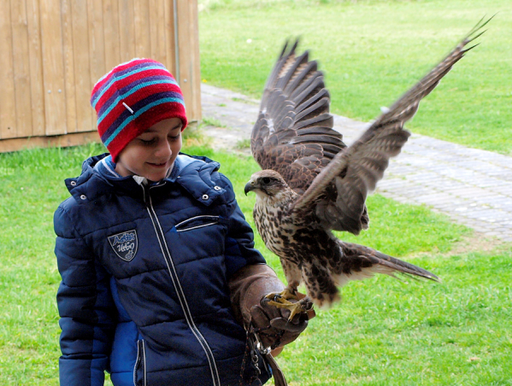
125, 244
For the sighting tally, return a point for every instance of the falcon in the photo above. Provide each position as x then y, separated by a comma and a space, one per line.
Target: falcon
312, 183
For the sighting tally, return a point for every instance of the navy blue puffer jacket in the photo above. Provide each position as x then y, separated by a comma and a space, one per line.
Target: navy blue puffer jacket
145, 271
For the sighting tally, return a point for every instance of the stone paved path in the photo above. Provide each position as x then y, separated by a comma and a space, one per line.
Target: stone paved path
471, 186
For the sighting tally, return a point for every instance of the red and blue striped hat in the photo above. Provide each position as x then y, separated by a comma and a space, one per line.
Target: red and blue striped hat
133, 97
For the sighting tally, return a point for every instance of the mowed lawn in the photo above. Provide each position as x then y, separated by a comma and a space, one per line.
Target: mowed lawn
371, 52
384, 332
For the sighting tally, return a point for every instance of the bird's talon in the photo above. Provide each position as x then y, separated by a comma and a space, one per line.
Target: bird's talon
281, 300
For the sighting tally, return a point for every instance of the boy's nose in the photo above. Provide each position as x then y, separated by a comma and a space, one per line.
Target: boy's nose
164, 149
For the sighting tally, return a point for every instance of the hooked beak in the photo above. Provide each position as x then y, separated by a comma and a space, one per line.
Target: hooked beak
248, 187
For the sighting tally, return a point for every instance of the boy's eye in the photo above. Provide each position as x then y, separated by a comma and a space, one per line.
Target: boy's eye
147, 141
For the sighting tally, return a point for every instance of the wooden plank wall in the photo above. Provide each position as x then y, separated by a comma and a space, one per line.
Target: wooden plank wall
54, 51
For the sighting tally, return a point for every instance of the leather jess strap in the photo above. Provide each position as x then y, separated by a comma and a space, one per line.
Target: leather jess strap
279, 379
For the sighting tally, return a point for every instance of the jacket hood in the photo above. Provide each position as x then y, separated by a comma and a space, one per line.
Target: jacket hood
91, 183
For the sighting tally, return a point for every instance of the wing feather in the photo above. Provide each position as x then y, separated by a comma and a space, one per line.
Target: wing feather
356, 170
294, 136
294, 132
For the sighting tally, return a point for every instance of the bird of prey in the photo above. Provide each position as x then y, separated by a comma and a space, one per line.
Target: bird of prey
312, 183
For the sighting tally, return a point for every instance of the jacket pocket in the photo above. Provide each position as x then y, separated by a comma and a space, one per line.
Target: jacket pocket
197, 222
139, 370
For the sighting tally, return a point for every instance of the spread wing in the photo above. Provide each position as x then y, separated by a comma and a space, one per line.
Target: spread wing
357, 169
293, 134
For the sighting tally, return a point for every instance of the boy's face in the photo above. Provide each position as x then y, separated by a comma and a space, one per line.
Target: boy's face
152, 153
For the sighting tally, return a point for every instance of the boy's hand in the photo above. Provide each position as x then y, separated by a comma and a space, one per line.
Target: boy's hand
248, 288
272, 324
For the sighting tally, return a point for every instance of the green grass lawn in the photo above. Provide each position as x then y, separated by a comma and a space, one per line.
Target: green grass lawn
371, 52
385, 332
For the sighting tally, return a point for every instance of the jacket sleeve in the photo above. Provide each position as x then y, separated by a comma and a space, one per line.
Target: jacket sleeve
239, 250
86, 308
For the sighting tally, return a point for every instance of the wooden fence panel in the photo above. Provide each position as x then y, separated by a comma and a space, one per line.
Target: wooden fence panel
53, 68
81, 65
53, 51
21, 67
126, 35
142, 36
97, 39
69, 64
36, 68
188, 51
8, 96
111, 27
170, 39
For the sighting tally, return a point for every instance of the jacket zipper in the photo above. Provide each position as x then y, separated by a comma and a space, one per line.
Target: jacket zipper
141, 360
177, 285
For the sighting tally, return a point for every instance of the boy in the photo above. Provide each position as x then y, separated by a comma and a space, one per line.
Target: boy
159, 271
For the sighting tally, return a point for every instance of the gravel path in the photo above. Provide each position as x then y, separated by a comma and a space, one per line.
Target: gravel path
471, 186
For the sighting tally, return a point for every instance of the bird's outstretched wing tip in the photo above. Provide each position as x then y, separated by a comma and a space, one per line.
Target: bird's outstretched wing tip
290, 45
478, 27
476, 32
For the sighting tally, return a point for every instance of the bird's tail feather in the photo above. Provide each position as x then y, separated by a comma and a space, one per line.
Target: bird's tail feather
360, 262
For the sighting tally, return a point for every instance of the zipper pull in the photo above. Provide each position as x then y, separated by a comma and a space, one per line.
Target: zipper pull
145, 194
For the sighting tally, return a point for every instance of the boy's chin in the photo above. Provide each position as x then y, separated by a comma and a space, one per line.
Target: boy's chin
157, 176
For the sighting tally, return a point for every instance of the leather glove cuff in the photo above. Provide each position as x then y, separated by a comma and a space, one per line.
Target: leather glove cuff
248, 289
248, 286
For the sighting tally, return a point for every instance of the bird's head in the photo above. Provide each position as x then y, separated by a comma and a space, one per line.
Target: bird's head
267, 184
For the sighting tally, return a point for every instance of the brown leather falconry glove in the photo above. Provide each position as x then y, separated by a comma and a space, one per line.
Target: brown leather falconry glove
248, 287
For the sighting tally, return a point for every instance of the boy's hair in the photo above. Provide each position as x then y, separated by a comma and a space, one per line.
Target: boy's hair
132, 97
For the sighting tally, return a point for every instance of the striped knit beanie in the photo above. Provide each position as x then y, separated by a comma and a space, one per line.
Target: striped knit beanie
133, 97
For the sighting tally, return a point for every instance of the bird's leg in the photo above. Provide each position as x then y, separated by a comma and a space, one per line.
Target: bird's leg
281, 300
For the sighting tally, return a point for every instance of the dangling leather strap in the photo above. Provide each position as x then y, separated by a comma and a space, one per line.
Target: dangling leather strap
279, 379
255, 343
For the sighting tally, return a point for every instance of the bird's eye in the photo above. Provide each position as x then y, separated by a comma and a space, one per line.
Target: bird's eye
266, 180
